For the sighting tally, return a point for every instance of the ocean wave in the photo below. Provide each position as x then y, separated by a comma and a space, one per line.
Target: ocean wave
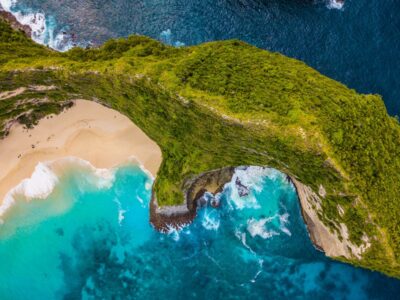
283, 220
121, 211
46, 175
7, 4
173, 232
242, 238
253, 178
39, 185
43, 27
335, 4
210, 220
258, 228
167, 38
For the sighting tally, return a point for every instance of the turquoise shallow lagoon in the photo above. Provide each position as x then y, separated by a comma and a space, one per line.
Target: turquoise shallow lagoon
91, 239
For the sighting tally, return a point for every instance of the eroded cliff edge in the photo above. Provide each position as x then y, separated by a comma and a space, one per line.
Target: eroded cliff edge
333, 243
165, 217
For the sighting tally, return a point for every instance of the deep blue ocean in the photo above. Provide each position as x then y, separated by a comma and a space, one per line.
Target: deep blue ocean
91, 239
358, 45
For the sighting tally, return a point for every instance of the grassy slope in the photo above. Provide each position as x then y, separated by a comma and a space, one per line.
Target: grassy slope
228, 103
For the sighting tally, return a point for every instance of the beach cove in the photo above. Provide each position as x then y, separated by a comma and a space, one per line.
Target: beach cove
90, 131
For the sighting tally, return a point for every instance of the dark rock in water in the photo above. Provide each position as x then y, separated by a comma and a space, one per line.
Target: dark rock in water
242, 189
202, 202
198, 190
215, 202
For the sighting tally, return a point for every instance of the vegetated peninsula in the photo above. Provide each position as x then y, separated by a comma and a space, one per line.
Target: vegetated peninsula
226, 104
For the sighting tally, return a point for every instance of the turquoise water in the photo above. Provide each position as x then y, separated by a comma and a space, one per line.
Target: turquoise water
94, 241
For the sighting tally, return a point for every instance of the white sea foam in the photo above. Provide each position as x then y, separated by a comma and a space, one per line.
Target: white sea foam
166, 37
335, 4
140, 200
242, 237
133, 159
44, 179
121, 212
284, 220
7, 4
43, 28
258, 228
252, 178
210, 220
102, 178
260, 264
39, 185
121, 216
174, 233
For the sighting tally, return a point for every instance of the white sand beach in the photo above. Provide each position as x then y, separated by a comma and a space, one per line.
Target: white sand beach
88, 130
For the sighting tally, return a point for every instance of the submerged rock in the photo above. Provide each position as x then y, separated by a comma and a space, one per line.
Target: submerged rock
242, 189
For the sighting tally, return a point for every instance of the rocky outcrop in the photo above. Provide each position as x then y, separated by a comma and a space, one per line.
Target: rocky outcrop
334, 244
167, 217
5, 15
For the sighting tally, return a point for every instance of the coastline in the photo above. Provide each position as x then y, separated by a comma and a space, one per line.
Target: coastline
165, 218
15, 24
105, 139
90, 131
333, 244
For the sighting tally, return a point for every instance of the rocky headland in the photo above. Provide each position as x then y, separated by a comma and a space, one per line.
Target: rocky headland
12, 20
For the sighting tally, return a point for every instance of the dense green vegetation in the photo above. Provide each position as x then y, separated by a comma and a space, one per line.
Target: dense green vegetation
227, 104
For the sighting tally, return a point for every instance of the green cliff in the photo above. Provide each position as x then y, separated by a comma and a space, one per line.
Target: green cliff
227, 104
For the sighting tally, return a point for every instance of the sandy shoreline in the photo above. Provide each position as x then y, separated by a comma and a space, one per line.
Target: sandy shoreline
88, 130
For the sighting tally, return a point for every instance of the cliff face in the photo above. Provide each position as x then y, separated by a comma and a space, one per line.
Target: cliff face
7, 16
165, 217
333, 243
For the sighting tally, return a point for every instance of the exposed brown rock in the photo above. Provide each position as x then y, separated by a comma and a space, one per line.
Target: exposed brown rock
7, 16
334, 244
164, 218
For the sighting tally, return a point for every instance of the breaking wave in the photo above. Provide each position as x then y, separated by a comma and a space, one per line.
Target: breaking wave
258, 228
166, 37
46, 176
335, 4
44, 28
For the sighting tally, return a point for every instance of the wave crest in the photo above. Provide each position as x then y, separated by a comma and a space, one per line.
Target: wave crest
43, 27
46, 176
